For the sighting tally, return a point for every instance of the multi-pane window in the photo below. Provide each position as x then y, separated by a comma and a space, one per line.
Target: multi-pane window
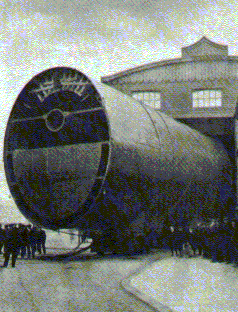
148, 98
207, 98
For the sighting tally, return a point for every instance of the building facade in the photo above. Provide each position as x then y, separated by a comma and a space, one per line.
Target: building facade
199, 89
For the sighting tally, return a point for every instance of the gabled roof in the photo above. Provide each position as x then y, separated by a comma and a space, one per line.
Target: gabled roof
204, 47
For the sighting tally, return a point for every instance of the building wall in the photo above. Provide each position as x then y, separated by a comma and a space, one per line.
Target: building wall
176, 93
203, 65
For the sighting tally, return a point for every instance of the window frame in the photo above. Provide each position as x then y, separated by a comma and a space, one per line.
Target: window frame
205, 99
150, 98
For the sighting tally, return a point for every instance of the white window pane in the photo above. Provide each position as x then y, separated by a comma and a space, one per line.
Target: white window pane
212, 102
195, 103
218, 102
136, 95
200, 94
206, 94
207, 98
213, 94
218, 94
146, 96
157, 104
200, 103
195, 95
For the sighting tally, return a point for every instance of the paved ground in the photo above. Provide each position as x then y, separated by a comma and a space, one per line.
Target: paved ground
154, 282
84, 284
187, 285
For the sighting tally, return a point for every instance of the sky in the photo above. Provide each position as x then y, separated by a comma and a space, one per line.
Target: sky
100, 38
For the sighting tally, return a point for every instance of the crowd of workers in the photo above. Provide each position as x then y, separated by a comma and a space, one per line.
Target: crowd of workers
217, 241
21, 239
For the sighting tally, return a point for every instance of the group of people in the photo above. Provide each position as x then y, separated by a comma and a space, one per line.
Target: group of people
21, 239
217, 241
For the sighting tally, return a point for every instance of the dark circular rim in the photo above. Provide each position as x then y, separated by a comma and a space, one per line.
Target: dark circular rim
31, 213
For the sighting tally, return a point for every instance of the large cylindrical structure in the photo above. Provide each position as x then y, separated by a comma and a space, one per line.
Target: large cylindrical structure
78, 153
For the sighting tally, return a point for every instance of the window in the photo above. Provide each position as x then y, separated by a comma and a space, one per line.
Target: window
207, 98
148, 98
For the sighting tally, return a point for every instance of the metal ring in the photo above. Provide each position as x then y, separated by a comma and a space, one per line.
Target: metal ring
55, 120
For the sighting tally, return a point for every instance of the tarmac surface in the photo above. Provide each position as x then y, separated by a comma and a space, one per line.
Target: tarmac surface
187, 285
83, 283
87, 282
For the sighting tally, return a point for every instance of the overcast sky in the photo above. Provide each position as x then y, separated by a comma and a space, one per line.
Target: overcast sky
100, 38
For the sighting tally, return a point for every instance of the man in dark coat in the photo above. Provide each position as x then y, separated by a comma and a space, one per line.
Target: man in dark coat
196, 240
12, 245
41, 239
25, 241
2, 237
178, 239
33, 237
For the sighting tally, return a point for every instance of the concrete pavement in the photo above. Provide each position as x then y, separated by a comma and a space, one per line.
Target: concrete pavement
82, 284
186, 285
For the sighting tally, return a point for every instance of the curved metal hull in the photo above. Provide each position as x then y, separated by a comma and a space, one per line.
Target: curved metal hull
81, 154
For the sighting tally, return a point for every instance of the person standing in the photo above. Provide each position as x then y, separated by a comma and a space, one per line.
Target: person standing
25, 241
42, 240
2, 237
33, 237
12, 245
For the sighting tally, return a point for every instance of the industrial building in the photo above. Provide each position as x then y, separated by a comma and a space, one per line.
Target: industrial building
80, 154
199, 89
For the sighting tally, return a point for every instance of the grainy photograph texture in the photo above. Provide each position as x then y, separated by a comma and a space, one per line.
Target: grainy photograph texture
118, 176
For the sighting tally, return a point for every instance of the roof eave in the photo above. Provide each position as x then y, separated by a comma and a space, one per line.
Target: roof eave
137, 69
